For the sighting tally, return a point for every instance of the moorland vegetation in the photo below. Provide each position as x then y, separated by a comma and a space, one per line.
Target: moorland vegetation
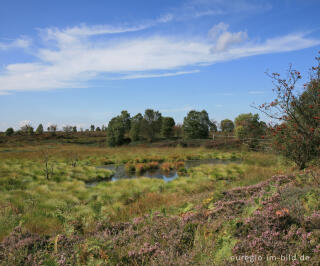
59, 206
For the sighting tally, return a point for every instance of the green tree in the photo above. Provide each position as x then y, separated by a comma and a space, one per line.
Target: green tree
226, 126
92, 127
135, 127
27, 129
74, 129
248, 127
115, 132
151, 124
98, 129
196, 125
9, 131
213, 126
297, 134
125, 118
39, 129
167, 127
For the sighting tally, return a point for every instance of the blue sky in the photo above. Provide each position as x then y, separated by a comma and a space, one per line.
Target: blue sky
82, 62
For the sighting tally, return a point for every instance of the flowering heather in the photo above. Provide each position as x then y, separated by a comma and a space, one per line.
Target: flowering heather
274, 217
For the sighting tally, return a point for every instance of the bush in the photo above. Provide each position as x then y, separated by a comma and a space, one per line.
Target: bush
297, 135
9, 131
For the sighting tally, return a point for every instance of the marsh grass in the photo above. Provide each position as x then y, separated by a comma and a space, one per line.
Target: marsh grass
63, 204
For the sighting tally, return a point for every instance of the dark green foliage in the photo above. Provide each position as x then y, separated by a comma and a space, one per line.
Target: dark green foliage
213, 126
151, 124
39, 129
196, 125
74, 129
167, 127
126, 121
134, 132
98, 129
9, 131
227, 126
92, 127
117, 128
115, 132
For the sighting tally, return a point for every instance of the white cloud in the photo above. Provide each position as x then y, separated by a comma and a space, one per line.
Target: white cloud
217, 29
24, 123
227, 39
77, 56
18, 43
158, 75
224, 39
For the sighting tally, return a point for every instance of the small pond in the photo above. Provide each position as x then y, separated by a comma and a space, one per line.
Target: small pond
121, 173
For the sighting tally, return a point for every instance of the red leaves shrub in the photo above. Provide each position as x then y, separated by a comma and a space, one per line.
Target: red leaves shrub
298, 128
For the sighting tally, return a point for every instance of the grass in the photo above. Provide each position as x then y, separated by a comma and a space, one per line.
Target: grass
65, 205
65, 197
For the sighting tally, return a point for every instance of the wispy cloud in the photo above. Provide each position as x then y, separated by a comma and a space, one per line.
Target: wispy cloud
72, 57
256, 92
158, 75
18, 43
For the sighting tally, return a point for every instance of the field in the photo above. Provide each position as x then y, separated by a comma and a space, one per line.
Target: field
256, 203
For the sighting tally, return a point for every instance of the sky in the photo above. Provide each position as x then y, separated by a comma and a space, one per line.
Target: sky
80, 62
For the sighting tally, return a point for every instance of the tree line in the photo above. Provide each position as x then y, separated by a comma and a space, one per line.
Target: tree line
152, 125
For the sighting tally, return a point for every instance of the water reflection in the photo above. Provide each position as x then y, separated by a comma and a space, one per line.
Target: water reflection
121, 173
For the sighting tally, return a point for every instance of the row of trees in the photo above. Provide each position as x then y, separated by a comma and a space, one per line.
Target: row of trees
152, 125
196, 125
148, 126
29, 130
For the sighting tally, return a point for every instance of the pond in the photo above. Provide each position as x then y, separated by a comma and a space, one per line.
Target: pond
121, 173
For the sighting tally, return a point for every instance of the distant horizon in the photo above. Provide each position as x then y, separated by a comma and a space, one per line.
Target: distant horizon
81, 63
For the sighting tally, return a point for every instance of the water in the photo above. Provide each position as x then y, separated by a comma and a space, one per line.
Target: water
121, 173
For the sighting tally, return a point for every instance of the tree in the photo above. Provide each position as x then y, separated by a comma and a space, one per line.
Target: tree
250, 128
27, 129
9, 131
67, 129
115, 131
52, 129
226, 126
92, 127
74, 129
213, 126
297, 133
125, 118
178, 130
151, 124
134, 132
98, 129
167, 127
39, 129
196, 125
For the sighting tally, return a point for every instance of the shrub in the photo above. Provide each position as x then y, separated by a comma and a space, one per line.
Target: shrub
297, 134
9, 131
